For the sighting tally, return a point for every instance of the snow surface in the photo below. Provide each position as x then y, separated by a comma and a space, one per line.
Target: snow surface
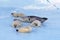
50, 30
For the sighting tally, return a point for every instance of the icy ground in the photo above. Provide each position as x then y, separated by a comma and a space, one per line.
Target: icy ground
50, 30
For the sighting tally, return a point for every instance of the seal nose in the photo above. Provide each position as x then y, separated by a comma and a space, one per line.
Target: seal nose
12, 13
17, 30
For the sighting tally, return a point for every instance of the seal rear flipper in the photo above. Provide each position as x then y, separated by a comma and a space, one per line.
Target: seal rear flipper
43, 19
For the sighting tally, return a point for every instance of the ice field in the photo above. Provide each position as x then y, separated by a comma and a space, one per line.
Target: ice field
50, 30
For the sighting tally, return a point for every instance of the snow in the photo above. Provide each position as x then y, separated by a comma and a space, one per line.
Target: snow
50, 30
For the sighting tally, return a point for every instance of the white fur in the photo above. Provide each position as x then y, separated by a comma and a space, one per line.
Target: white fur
36, 22
15, 14
25, 29
17, 23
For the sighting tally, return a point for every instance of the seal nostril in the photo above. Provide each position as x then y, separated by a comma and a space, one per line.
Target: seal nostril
17, 30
